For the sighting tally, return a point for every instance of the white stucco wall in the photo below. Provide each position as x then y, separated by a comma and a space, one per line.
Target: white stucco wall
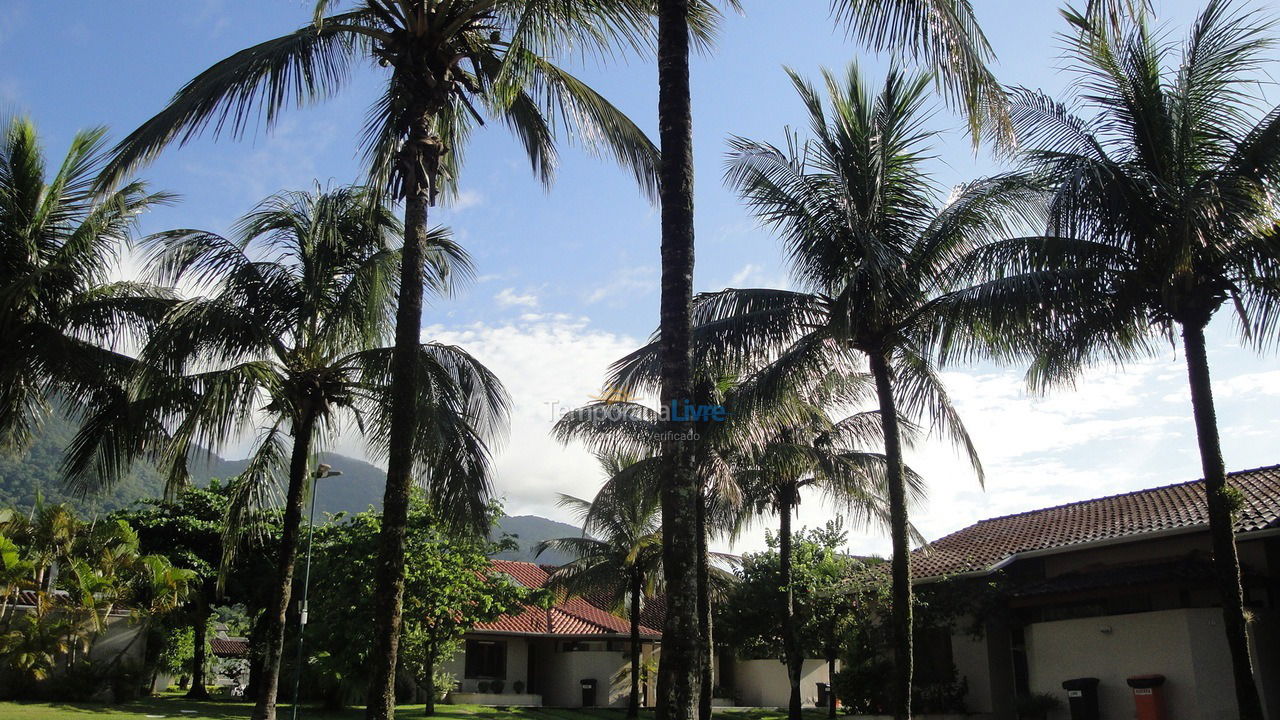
763, 683
973, 664
563, 673
121, 636
517, 664
1186, 646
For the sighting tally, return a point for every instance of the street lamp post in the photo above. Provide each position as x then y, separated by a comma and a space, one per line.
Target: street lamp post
322, 471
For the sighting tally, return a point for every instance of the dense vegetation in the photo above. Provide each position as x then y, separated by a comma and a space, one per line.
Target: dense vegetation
1130, 211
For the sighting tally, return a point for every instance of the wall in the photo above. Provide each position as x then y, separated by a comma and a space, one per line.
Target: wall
517, 663
563, 672
973, 663
122, 636
763, 683
1186, 646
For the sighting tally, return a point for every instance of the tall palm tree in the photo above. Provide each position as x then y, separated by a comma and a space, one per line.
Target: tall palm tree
809, 450
868, 242
619, 426
448, 64
619, 554
288, 336
1163, 210
942, 34
64, 320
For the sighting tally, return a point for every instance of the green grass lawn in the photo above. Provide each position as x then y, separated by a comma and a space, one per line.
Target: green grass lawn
177, 707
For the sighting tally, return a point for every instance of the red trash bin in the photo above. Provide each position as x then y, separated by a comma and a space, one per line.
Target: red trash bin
1148, 696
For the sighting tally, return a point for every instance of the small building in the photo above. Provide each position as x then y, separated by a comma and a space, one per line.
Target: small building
1112, 588
555, 653
572, 654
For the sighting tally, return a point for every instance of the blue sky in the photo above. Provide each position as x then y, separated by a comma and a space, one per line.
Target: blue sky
567, 278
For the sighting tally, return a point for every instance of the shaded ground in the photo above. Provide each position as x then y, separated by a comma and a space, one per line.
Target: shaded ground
173, 707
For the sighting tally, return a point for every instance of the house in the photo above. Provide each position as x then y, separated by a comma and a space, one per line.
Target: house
577, 654
1112, 588
572, 654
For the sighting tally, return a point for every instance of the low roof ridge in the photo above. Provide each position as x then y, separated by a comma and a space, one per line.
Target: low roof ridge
1131, 493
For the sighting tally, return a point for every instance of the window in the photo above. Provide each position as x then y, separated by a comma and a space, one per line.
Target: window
486, 659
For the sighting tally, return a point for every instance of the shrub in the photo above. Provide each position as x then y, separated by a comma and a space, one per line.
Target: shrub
517, 687
482, 686
496, 686
1036, 706
863, 687
446, 682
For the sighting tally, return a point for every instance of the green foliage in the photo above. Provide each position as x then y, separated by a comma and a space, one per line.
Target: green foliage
61, 313
448, 589
100, 574
829, 592
177, 650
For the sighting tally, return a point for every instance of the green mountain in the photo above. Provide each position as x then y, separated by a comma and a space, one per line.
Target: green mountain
359, 488
528, 531
35, 472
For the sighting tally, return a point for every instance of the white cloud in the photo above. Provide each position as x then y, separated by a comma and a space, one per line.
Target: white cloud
466, 199
550, 363
1249, 385
755, 275
508, 297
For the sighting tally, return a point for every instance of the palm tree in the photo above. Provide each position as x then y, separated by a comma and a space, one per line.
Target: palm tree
618, 426
1163, 210
868, 242
619, 555
61, 315
943, 34
449, 64
808, 450
289, 337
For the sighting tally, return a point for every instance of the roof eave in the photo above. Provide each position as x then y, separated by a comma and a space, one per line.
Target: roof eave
1091, 545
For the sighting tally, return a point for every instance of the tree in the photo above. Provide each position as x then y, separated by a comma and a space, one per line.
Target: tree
291, 331
188, 531
944, 36
941, 33
623, 564
59, 310
99, 573
446, 62
822, 607
805, 449
870, 244
615, 426
449, 588
1162, 210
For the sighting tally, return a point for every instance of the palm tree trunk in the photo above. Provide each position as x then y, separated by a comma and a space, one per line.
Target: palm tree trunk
679, 671
637, 588
900, 568
707, 687
421, 158
265, 707
1221, 522
199, 631
790, 639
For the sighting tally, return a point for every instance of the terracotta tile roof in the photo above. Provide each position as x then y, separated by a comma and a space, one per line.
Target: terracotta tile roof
978, 548
569, 617
229, 647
